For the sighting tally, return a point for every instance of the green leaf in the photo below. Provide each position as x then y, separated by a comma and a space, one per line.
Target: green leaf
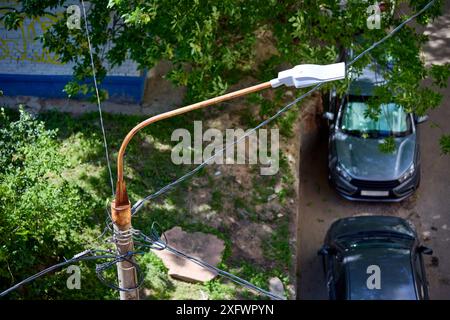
444, 142
388, 145
440, 74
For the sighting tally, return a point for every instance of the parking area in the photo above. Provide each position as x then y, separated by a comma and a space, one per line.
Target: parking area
428, 208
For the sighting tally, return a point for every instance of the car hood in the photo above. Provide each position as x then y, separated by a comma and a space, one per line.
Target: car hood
363, 159
372, 224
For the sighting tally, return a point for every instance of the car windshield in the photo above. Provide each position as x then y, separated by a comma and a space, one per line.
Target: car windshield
370, 239
392, 120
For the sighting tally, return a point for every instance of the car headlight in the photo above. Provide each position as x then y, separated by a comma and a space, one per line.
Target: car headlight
340, 169
408, 174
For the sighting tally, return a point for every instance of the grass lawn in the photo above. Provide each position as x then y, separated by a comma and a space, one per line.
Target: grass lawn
148, 167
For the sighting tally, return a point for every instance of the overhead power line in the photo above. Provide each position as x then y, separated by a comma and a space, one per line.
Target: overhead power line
94, 76
155, 242
82, 256
394, 31
224, 273
139, 204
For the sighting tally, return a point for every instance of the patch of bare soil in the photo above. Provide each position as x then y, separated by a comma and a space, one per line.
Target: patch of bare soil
250, 206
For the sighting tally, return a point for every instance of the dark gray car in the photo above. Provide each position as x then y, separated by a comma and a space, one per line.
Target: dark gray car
358, 169
374, 258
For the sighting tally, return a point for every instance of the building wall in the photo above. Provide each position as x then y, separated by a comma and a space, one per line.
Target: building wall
26, 68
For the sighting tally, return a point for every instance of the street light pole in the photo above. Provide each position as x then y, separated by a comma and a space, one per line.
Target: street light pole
299, 76
121, 206
126, 271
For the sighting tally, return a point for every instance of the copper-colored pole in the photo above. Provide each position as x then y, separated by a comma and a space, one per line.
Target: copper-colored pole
121, 195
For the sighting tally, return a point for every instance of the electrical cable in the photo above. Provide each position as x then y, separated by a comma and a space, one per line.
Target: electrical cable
82, 256
105, 143
139, 204
156, 243
101, 268
394, 31
223, 273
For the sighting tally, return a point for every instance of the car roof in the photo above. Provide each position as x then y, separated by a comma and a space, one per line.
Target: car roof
396, 273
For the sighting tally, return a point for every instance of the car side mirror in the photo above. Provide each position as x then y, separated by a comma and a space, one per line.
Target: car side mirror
421, 119
328, 116
425, 250
324, 251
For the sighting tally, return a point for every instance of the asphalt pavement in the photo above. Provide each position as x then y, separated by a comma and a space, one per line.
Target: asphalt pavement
428, 209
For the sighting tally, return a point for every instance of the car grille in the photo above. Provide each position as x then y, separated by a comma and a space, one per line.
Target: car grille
375, 185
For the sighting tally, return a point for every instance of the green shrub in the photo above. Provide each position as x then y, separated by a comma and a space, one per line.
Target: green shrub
44, 218
156, 277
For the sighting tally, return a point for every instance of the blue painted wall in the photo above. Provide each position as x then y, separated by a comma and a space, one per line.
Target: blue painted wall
120, 88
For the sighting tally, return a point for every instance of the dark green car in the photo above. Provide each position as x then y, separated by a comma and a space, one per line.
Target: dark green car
374, 258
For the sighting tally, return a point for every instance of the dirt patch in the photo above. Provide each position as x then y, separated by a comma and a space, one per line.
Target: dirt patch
247, 241
250, 206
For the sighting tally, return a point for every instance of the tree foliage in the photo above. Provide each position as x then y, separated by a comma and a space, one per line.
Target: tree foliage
212, 43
